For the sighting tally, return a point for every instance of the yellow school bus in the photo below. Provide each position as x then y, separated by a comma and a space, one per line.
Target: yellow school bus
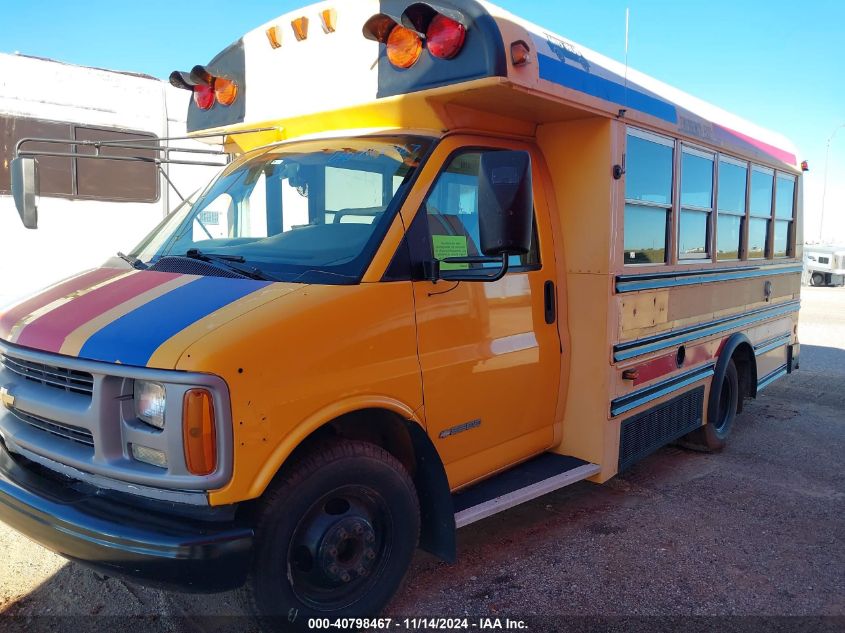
457, 262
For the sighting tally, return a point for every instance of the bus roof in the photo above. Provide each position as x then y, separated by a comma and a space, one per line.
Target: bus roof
313, 69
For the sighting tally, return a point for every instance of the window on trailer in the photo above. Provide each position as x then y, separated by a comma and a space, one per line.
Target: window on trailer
124, 181
648, 197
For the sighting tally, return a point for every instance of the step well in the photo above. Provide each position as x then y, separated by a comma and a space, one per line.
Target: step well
531, 479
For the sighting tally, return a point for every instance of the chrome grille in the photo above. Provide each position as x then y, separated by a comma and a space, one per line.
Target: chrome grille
50, 375
73, 433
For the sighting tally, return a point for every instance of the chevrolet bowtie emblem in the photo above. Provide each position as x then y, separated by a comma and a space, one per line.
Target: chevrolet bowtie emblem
6, 398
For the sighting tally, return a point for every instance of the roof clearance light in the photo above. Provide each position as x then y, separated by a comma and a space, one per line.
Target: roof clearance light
274, 36
404, 47
520, 53
225, 90
203, 96
300, 28
445, 37
328, 18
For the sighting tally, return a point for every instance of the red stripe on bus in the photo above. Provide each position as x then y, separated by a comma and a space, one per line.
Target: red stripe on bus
13, 315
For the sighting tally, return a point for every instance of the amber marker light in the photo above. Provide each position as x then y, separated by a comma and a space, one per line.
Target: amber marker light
520, 53
274, 36
328, 18
404, 47
300, 28
198, 432
226, 91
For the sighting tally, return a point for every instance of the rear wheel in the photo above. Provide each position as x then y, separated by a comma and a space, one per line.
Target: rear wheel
335, 538
721, 413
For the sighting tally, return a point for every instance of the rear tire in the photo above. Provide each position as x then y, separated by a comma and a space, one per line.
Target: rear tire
721, 413
334, 539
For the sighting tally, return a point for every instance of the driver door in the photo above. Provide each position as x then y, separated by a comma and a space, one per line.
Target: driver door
490, 358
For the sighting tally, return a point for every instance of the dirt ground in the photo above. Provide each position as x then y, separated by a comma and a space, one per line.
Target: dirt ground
757, 530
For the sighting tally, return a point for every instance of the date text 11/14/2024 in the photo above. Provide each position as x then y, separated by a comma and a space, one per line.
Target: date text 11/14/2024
417, 624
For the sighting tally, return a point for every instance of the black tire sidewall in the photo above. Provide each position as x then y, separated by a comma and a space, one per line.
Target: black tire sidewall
718, 430
272, 592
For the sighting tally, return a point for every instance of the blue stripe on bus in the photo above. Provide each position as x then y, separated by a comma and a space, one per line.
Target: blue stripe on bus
133, 338
631, 349
561, 73
772, 344
767, 380
635, 283
648, 394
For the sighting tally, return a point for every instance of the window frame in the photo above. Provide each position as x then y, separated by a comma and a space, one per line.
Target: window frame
671, 143
419, 226
743, 215
709, 241
790, 230
73, 126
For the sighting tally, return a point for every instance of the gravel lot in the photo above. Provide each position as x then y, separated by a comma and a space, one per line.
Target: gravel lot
756, 531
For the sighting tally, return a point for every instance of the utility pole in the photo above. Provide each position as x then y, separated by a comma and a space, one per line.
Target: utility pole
824, 187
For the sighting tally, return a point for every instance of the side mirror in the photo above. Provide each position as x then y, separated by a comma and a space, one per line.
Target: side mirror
505, 217
24, 171
505, 203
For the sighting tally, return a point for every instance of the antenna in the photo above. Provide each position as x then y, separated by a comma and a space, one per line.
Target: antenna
622, 111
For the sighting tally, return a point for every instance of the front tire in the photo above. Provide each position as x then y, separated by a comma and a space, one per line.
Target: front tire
335, 537
817, 279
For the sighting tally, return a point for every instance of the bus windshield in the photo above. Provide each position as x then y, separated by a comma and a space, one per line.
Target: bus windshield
310, 212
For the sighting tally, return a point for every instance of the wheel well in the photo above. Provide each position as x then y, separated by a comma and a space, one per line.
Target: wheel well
408, 442
746, 367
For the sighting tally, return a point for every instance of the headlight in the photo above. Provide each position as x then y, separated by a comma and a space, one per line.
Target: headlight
149, 403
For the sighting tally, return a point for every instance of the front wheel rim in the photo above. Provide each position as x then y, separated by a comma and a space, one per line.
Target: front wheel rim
340, 548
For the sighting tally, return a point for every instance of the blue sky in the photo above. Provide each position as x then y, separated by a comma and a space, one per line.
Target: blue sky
773, 62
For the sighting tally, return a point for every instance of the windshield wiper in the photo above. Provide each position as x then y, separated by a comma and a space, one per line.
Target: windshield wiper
133, 261
226, 262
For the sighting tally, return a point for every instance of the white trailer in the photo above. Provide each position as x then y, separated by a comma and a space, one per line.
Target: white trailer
87, 207
824, 265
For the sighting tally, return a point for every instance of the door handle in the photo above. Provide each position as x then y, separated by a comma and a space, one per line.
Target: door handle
550, 302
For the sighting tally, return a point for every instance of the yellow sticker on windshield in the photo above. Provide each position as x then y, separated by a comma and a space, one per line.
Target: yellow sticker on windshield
450, 246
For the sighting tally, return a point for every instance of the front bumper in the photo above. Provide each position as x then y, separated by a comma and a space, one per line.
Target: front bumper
118, 539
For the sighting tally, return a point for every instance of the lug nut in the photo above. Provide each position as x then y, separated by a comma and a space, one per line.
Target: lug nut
362, 572
358, 529
333, 551
334, 569
370, 554
370, 537
342, 533
345, 577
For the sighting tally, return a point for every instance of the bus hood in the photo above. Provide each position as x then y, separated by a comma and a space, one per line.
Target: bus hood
132, 317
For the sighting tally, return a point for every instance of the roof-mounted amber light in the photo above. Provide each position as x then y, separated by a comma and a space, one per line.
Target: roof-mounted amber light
225, 91
328, 20
274, 36
404, 47
300, 28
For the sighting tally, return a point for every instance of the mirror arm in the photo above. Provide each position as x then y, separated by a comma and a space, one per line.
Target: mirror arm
433, 271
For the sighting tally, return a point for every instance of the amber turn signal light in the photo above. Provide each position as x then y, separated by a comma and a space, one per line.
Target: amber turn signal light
404, 47
226, 91
198, 432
